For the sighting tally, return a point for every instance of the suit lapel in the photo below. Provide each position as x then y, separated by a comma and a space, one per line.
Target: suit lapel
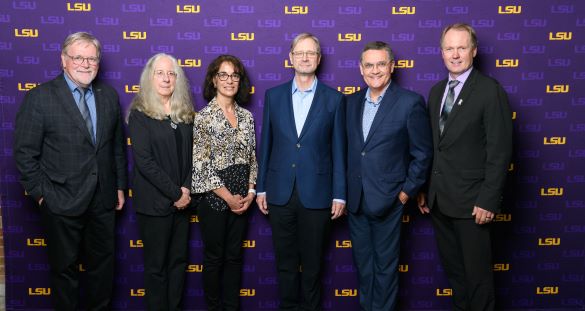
461, 99
358, 116
386, 105
68, 101
435, 108
290, 111
313, 111
100, 109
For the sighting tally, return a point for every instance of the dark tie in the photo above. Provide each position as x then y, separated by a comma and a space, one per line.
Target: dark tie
448, 105
84, 109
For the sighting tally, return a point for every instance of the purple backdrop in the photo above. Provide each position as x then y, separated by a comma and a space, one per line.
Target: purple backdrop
534, 48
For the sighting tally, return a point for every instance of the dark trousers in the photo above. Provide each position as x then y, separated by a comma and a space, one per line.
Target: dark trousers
466, 255
165, 240
92, 234
299, 236
223, 234
375, 243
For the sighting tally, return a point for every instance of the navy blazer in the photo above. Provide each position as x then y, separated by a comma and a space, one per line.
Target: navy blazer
55, 154
313, 161
396, 154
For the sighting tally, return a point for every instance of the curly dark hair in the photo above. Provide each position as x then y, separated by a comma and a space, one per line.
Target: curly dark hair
209, 90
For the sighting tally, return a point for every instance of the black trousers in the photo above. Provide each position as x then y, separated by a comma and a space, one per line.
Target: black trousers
466, 254
223, 233
165, 240
91, 234
299, 236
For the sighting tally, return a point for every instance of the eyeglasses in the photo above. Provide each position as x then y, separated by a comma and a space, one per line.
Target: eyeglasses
223, 76
78, 60
308, 54
161, 74
378, 65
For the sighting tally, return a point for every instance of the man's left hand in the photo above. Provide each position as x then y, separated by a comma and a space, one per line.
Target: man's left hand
482, 216
120, 203
337, 209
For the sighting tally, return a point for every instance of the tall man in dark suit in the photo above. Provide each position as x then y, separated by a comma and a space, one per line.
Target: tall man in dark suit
69, 148
389, 153
472, 139
301, 179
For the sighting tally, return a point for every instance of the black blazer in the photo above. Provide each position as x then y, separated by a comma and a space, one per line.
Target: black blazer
158, 176
472, 156
55, 154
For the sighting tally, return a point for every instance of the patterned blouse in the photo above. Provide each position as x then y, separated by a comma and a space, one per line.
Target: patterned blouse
218, 146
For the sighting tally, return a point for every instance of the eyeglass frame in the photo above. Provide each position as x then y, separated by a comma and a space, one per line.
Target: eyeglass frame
227, 76
308, 54
378, 65
160, 74
93, 61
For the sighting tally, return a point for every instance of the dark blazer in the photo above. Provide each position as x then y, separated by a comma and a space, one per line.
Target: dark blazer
313, 161
55, 154
158, 175
472, 156
396, 154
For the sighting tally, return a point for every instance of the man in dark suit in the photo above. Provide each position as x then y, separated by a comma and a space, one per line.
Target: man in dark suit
472, 139
389, 153
69, 148
301, 179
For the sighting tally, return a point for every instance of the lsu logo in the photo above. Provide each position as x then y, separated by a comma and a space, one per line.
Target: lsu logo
345, 292
189, 62
509, 9
134, 35
78, 7
39, 291
403, 10
194, 219
129, 190
136, 244
188, 8
404, 63
26, 86
560, 36
443, 292
296, 10
348, 89
342, 244
405, 219
81, 268
555, 140
549, 241
507, 63
287, 64
194, 268
557, 88
138, 292
547, 290
503, 218
349, 37
551, 192
38, 242
249, 244
252, 90
403, 268
242, 36
131, 88
26, 33
501, 267
247, 292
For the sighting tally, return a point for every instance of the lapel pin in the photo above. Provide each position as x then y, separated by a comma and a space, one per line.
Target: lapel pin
460, 102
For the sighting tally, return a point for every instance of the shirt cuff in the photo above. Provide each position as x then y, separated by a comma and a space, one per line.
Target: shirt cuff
339, 201
260, 193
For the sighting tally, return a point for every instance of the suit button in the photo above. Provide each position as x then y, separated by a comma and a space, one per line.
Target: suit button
440, 149
435, 172
94, 173
298, 145
363, 153
294, 165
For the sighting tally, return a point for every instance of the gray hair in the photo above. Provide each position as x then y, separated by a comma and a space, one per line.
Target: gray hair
302, 36
84, 37
378, 45
148, 101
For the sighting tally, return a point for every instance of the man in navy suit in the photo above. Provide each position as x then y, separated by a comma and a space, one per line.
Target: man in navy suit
301, 178
70, 150
389, 153
472, 138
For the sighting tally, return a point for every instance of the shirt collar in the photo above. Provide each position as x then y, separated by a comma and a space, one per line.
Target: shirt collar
295, 88
379, 99
215, 106
462, 77
73, 86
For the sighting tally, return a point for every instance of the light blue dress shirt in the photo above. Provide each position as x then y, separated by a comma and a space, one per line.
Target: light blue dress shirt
370, 109
301, 101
